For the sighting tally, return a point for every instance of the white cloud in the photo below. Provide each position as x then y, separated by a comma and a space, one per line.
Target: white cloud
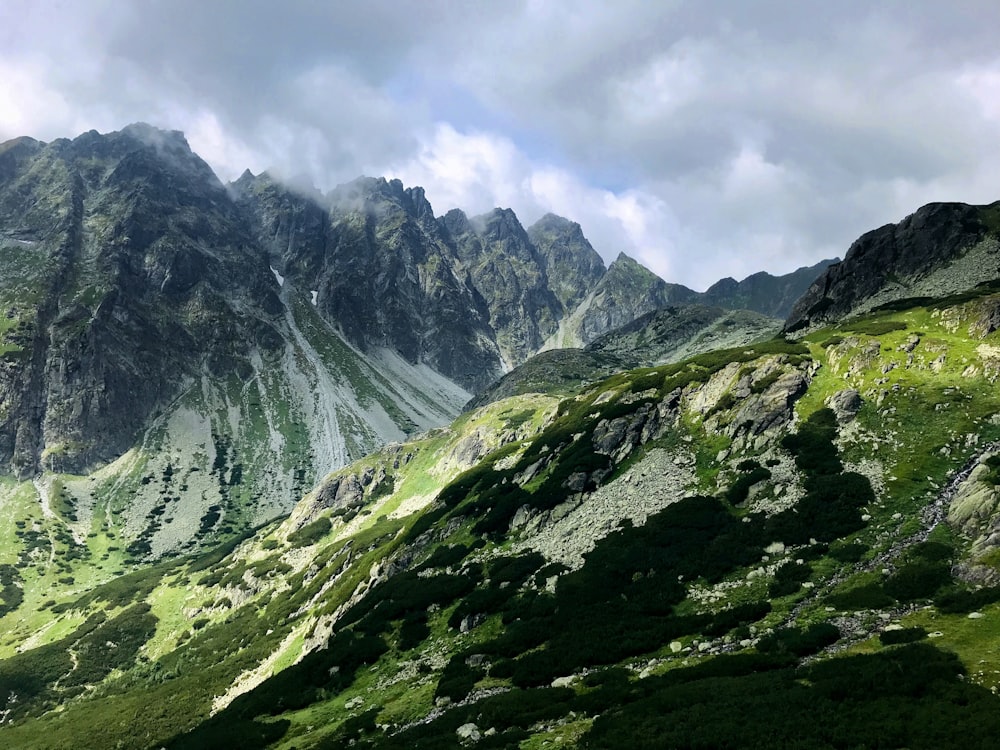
475, 171
704, 139
982, 83
480, 171
229, 156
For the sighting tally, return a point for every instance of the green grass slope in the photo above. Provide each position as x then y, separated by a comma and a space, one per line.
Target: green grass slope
788, 543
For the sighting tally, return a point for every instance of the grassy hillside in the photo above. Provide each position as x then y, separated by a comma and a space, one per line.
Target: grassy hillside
789, 543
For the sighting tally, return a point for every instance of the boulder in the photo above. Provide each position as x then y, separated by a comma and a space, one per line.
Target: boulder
845, 404
469, 732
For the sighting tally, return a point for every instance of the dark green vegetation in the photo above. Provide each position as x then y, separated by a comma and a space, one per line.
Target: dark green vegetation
770, 543
910, 697
770, 593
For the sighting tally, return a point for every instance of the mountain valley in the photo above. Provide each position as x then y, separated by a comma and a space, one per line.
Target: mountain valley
293, 470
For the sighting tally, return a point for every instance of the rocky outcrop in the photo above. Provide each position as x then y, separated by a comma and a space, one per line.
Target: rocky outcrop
845, 404
572, 266
943, 248
567, 533
510, 274
129, 271
674, 332
381, 269
626, 292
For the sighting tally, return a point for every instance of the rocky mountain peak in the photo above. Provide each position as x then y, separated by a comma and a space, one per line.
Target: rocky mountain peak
378, 197
509, 273
19, 148
764, 292
725, 286
456, 222
145, 276
502, 225
142, 144
942, 248
571, 263
626, 269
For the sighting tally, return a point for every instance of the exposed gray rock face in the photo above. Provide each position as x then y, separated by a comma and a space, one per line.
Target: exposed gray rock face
292, 226
626, 292
845, 404
572, 265
764, 293
127, 269
942, 248
760, 412
459, 293
987, 320
383, 272
669, 334
510, 273
679, 331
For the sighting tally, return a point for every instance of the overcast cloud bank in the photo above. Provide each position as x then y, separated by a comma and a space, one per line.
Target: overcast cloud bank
705, 139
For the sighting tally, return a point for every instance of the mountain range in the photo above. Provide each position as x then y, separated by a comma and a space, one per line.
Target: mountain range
259, 335
289, 469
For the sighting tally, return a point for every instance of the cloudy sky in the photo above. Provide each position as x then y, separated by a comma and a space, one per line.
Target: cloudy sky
704, 138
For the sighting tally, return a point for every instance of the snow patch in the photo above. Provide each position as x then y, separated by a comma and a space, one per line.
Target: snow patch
278, 276
314, 297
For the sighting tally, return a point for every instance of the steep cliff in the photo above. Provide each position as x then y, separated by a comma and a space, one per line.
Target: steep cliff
127, 271
940, 249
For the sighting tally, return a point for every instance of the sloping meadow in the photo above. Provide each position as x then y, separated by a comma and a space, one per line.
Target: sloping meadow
782, 592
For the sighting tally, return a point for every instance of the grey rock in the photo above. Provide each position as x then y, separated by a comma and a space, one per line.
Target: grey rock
341, 492
175, 286
987, 318
572, 266
887, 262
509, 273
384, 271
476, 660
763, 293
626, 292
469, 732
845, 404
471, 622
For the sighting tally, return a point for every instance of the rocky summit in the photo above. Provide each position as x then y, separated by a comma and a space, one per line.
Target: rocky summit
941, 249
249, 338
285, 469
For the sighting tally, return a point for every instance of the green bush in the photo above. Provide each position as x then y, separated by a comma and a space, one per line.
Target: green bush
917, 580
310, 533
766, 382
788, 579
905, 635
446, 555
955, 600
413, 631
912, 696
457, 680
800, 642
831, 341
515, 569
875, 327
868, 596
848, 552
740, 489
